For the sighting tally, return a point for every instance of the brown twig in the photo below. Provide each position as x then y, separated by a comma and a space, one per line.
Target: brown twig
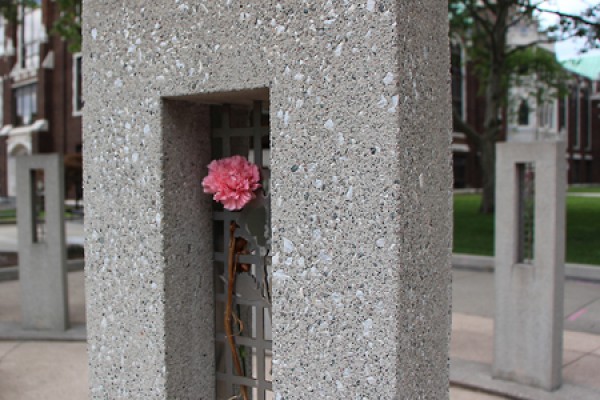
232, 269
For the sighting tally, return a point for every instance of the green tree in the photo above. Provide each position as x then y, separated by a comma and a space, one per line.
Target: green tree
483, 27
67, 25
10, 8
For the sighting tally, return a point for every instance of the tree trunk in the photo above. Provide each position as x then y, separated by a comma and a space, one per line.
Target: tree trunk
487, 145
490, 29
495, 92
487, 149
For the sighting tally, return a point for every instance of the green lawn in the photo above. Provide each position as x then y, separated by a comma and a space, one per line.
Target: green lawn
590, 189
10, 215
474, 233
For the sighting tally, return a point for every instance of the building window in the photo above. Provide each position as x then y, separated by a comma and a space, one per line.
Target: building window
524, 30
576, 171
542, 116
586, 115
524, 113
2, 36
31, 33
562, 114
460, 170
574, 109
551, 119
547, 117
457, 80
26, 104
1, 101
77, 85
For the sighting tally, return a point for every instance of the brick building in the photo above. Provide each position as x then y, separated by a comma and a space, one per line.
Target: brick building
581, 117
574, 117
40, 90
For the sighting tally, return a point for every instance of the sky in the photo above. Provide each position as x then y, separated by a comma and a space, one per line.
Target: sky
569, 48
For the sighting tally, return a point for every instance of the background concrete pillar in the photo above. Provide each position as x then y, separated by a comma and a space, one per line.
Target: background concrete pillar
42, 252
529, 293
361, 191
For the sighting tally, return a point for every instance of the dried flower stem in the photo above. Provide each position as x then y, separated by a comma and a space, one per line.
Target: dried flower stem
232, 269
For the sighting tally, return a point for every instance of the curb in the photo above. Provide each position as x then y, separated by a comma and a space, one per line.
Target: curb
486, 264
12, 273
478, 376
13, 331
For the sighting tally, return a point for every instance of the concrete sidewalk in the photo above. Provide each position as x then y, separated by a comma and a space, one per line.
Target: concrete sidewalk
8, 235
471, 352
473, 294
58, 370
43, 371
471, 355
10, 311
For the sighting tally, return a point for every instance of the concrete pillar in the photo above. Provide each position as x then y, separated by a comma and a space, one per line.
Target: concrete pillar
529, 293
42, 252
361, 185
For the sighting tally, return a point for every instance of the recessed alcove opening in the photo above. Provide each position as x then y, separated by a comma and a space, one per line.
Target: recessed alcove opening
37, 183
526, 212
210, 127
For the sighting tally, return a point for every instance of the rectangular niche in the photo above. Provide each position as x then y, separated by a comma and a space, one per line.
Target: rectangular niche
37, 183
197, 130
240, 126
526, 212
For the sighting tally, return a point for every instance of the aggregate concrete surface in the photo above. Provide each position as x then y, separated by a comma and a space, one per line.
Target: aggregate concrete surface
352, 88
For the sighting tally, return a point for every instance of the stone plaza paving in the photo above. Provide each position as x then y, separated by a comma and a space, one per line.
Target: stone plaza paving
54, 370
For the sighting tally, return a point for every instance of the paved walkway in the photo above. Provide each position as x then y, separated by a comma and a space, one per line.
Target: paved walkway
10, 311
58, 370
473, 294
8, 235
472, 334
43, 371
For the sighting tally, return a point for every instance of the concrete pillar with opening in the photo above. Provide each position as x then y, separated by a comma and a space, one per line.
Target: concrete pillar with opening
42, 251
530, 255
344, 107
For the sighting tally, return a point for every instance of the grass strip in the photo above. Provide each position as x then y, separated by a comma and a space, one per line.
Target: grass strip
474, 232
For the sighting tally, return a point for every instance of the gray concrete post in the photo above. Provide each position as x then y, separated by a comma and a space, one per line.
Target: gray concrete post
42, 259
361, 186
529, 295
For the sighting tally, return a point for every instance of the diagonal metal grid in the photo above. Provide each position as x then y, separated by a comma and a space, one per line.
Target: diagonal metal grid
243, 131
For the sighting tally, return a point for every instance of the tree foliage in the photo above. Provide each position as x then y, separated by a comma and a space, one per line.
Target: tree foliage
10, 8
67, 25
482, 27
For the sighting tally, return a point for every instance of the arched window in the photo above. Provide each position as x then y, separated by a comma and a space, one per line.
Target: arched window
524, 113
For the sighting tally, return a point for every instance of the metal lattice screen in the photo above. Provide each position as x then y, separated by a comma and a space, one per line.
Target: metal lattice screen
239, 130
526, 207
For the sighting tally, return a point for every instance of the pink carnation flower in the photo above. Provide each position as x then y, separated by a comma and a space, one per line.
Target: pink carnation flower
232, 181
